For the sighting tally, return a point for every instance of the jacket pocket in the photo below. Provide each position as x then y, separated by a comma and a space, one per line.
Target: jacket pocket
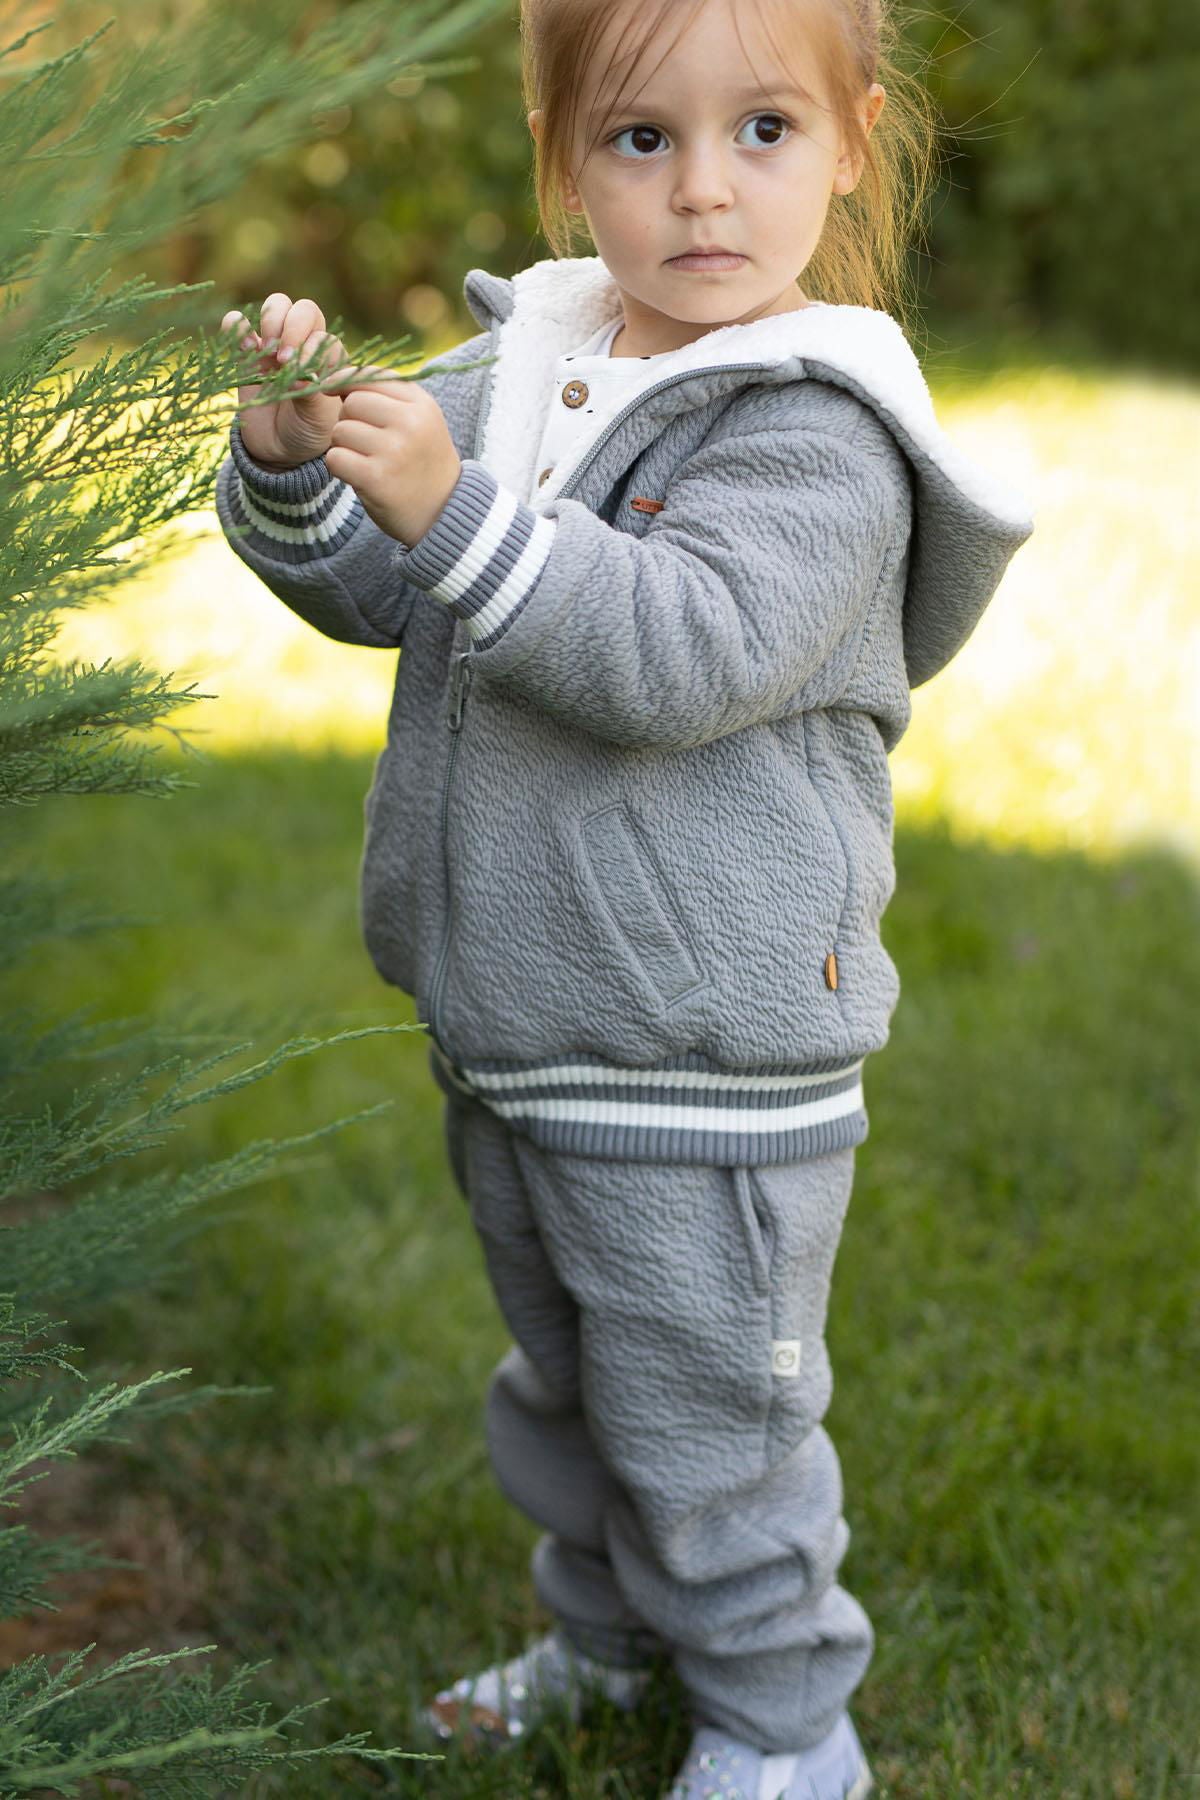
638, 903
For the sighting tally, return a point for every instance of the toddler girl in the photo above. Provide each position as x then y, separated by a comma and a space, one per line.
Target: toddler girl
663, 572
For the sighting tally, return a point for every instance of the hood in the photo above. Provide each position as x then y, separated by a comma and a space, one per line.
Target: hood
967, 522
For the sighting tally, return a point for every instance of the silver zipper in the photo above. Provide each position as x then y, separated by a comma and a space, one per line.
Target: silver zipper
460, 682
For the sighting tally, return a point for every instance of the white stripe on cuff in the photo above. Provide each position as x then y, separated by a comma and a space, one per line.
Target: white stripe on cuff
316, 531
517, 583
482, 547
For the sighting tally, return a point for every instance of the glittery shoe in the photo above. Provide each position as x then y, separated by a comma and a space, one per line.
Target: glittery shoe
495, 1708
718, 1767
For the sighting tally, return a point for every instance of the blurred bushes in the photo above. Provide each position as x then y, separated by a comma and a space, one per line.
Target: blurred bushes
1066, 204
1073, 175
391, 203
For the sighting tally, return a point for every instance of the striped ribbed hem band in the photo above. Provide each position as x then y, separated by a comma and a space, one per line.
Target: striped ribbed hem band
296, 515
482, 555
680, 1112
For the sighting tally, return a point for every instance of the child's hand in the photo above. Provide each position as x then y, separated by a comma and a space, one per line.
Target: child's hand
289, 433
393, 446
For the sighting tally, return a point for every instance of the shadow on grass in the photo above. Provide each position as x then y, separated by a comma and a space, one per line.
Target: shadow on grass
1013, 1327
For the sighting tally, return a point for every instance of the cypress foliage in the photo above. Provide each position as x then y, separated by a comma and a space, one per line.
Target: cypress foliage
103, 149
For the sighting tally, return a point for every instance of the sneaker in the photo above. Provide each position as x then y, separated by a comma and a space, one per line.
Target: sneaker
495, 1708
834, 1769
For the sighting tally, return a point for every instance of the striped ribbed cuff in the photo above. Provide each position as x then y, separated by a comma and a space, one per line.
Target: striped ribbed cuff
296, 515
482, 555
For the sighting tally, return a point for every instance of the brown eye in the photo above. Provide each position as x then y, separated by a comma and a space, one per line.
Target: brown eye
775, 127
640, 133
771, 129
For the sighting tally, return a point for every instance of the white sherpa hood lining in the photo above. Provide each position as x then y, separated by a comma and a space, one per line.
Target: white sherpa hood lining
557, 303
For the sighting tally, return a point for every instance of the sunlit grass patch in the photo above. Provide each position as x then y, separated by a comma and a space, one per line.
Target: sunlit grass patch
208, 619
1068, 718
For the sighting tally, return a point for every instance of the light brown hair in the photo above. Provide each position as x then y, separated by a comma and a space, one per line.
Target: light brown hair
861, 258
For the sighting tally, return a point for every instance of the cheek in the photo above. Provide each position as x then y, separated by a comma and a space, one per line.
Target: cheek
813, 168
621, 190
601, 195
791, 197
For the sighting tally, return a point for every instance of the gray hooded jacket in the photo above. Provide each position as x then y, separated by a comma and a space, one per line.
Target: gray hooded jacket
629, 841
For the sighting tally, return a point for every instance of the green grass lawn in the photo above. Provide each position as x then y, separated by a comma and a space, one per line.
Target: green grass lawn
1013, 1326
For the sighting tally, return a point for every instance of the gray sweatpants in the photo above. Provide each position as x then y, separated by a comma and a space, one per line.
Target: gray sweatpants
659, 1415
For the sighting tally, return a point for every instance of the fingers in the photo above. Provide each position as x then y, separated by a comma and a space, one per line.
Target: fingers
283, 323
320, 354
355, 434
372, 408
288, 330
271, 316
239, 326
361, 385
295, 330
286, 324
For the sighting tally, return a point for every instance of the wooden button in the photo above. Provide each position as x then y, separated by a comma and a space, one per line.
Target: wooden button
574, 393
831, 969
544, 474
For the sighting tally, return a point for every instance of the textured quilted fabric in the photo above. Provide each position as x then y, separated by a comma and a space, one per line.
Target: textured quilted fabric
629, 842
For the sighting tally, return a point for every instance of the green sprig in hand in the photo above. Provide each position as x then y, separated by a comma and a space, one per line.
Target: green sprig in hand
382, 433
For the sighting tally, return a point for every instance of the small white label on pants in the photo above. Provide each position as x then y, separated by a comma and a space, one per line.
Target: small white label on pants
785, 1356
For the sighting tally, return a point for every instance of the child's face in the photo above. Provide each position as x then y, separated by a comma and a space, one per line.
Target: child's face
711, 161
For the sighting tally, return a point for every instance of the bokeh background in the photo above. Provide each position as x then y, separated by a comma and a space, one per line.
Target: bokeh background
1013, 1329
1059, 334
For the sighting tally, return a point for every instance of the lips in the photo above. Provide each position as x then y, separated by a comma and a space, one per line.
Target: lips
708, 258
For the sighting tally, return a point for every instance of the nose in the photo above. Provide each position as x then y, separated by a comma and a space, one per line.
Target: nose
702, 180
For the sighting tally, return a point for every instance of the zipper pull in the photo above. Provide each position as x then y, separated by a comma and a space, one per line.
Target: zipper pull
460, 682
